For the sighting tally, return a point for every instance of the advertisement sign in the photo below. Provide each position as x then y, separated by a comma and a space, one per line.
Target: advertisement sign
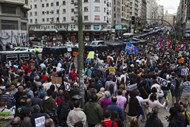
118, 26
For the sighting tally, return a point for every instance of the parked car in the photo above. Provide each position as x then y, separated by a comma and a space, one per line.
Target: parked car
97, 43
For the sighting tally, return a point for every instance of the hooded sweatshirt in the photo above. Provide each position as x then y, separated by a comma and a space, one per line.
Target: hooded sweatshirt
49, 105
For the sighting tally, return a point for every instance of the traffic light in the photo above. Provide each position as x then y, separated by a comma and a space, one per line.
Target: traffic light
133, 20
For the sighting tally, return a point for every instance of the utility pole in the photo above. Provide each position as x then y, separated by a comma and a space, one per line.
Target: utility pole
81, 51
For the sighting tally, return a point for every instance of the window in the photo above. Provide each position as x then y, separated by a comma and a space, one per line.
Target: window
96, 17
35, 6
114, 15
42, 5
47, 19
26, 2
30, 13
72, 10
64, 11
52, 19
85, 9
35, 13
57, 3
57, 19
57, 11
43, 12
47, 12
85, 18
96, 27
30, 20
47, 5
87, 27
43, 20
97, 9
8, 9
64, 3
64, 18
9, 25
104, 18
23, 26
104, 9
72, 18
52, 4
36, 20
85, 0
98, 1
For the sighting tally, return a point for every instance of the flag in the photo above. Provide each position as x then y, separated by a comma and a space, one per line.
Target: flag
130, 48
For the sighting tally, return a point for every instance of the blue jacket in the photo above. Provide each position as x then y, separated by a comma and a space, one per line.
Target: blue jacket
115, 107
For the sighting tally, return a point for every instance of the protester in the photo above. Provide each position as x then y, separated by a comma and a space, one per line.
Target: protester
93, 111
153, 120
53, 83
76, 115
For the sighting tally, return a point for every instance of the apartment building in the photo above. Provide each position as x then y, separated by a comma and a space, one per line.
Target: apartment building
134, 7
160, 13
152, 11
48, 17
13, 22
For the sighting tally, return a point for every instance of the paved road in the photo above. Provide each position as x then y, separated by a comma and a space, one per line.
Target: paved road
162, 115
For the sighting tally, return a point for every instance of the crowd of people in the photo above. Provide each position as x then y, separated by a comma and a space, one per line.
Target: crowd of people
121, 89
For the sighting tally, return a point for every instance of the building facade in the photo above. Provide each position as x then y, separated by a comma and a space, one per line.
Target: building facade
50, 17
125, 18
152, 11
142, 9
160, 13
13, 23
134, 7
183, 18
169, 18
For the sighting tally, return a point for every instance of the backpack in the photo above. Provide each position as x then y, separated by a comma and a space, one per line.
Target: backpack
65, 109
104, 125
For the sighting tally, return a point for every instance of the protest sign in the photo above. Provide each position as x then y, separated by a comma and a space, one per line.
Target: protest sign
40, 121
162, 82
184, 72
111, 70
56, 80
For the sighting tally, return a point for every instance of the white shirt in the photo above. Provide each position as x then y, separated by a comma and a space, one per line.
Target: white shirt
75, 116
46, 85
154, 104
140, 99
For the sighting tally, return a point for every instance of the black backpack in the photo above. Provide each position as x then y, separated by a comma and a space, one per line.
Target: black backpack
65, 109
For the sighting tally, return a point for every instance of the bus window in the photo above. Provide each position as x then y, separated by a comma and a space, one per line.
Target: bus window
25, 56
11, 57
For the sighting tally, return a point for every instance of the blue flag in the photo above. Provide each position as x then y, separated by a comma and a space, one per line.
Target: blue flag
130, 48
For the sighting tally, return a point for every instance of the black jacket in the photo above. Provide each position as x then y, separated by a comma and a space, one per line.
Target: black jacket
153, 121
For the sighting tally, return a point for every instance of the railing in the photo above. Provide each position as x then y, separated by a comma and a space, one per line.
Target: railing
14, 1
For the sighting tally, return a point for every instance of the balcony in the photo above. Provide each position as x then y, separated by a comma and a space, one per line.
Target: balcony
21, 2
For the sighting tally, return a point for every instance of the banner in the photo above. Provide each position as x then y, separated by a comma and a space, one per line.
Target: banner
40, 121
185, 72
162, 82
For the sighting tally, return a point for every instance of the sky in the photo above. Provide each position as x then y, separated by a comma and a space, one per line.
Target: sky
170, 5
